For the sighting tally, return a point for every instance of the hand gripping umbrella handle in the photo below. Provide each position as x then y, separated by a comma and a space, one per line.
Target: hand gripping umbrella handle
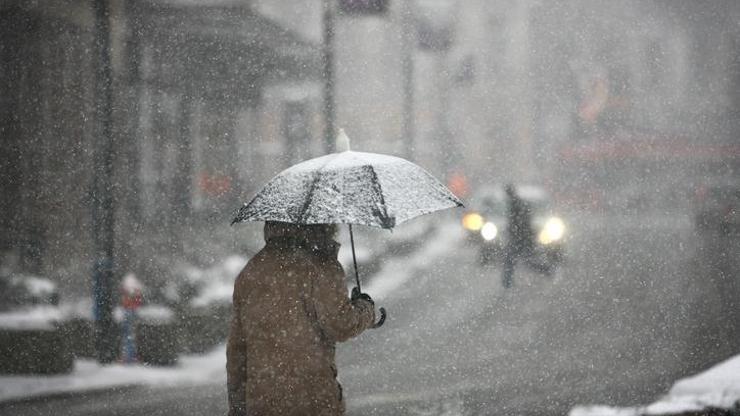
357, 279
381, 320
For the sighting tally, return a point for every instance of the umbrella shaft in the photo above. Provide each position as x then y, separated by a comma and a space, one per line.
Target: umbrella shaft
354, 258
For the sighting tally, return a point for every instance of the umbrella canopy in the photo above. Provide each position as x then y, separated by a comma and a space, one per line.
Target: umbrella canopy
349, 188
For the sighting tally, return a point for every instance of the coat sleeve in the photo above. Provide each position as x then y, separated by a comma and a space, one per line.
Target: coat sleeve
236, 359
339, 318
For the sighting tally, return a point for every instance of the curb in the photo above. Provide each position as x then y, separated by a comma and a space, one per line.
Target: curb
10, 402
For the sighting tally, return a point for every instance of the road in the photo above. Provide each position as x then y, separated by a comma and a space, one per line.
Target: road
629, 313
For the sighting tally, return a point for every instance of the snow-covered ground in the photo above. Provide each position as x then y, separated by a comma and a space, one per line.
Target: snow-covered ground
718, 387
88, 375
36, 317
216, 284
199, 369
396, 271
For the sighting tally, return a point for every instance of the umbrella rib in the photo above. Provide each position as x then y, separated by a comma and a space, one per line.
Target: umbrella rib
379, 189
451, 197
309, 198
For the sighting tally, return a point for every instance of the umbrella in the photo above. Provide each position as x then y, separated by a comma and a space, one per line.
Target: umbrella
349, 188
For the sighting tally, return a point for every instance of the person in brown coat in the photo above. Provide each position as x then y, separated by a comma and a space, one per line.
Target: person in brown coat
290, 308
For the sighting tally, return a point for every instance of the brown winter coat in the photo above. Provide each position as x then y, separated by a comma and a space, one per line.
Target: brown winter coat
290, 308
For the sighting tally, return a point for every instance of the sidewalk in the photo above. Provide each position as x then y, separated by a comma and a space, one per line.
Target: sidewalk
716, 390
89, 376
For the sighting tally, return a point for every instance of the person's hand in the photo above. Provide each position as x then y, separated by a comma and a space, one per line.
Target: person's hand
236, 397
356, 294
237, 411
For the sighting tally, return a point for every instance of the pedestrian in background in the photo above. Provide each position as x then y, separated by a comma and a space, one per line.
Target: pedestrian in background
519, 234
131, 299
290, 308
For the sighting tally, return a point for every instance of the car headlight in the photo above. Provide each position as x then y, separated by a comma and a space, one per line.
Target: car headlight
472, 221
553, 231
489, 231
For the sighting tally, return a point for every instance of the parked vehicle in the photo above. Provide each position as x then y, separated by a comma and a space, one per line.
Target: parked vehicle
32, 333
156, 330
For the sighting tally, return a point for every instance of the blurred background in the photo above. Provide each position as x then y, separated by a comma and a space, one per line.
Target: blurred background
629, 106
133, 129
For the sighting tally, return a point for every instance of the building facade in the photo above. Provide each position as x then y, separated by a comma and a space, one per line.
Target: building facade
212, 98
208, 99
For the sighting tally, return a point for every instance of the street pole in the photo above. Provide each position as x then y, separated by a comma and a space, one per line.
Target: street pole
328, 73
450, 151
523, 118
102, 195
408, 48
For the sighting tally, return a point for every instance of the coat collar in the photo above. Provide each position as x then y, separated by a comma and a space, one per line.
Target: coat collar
312, 237
323, 249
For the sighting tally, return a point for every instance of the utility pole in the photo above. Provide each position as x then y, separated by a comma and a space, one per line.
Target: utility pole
450, 151
525, 168
328, 73
407, 52
102, 193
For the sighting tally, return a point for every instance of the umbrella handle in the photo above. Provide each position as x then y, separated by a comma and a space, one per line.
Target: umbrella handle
381, 320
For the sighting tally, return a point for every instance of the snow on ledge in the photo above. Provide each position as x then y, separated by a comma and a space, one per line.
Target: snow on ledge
88, 375
35, 318
718, 387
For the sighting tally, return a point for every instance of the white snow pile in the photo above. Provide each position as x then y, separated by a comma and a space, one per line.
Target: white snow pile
155, 313
151, 314
216, 284
81, 308
88, 375
397, 271
36, 317
39, 286
718, 387
363, 254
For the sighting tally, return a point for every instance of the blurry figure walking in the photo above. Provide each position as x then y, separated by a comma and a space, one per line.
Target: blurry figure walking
131, 299
290, 309
520, 238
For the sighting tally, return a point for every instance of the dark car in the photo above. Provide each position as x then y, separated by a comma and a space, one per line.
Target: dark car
486, 226
485, 221
32, 331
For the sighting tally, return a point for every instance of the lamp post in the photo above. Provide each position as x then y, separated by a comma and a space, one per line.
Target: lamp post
328, 75
102, 193
407, 52
347, 8
436, 33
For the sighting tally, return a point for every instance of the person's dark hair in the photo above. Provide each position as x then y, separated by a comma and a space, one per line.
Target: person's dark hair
510, 191
318, 234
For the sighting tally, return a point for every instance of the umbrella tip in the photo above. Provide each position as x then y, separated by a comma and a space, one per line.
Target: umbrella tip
342, 144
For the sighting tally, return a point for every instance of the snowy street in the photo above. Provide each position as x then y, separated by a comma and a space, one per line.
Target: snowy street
617, 325
539, 200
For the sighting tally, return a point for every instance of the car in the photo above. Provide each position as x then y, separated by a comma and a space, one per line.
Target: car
485, 222
201, 299
486, 226
32, 326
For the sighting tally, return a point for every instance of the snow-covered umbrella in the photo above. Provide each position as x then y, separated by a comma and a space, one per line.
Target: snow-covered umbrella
349, 187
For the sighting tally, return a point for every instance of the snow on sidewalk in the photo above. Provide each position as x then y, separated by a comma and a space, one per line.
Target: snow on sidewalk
718, 387
397, 271
88, 375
